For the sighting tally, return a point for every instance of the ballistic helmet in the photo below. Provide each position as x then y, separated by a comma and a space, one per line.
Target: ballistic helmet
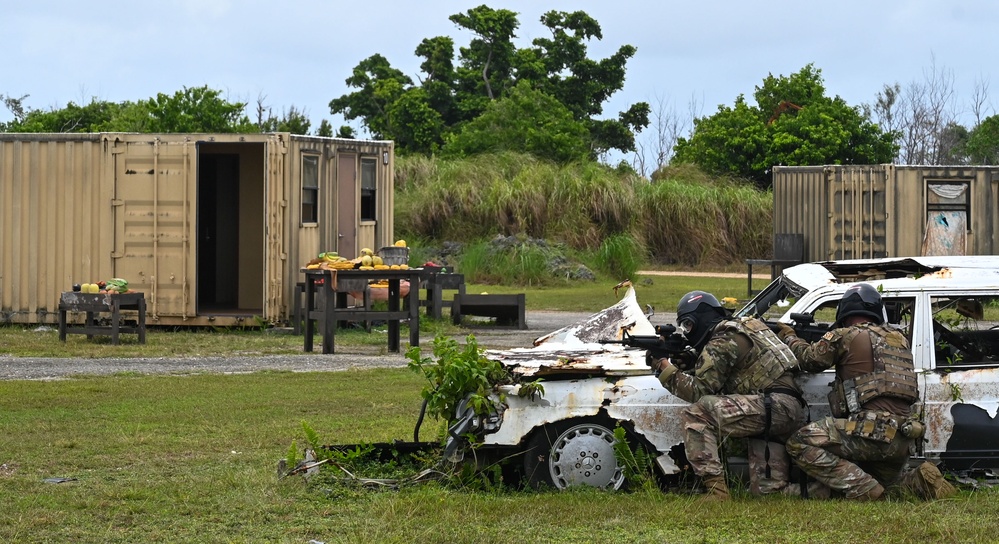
861, 299
696, 315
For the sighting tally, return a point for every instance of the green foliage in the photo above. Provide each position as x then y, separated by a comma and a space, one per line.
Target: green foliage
456, 91
692, 221
293, 121
379, 86
311, 436
621, 256
192, 109
638, 465
197, 109
526, 121
793, 123
97, 116
983, 142
683, 216
456, 372
292, 458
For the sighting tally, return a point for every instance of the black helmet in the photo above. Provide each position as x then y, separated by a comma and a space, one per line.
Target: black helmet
696, 315
861, 299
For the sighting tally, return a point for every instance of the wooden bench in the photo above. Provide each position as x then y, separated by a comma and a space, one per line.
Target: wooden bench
507, 309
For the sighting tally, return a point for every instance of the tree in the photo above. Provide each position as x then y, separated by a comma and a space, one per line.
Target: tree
982, 146
655, 149
793, 123
197, 109
192, 109
379, 85
922, 116
293, 121
96, 116
325, 129
526, 120
455, 91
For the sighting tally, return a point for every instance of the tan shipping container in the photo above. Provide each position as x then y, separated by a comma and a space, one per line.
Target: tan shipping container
874, 211
212, 228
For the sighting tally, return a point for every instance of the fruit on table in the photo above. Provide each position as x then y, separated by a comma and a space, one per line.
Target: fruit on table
117, 285
400, 243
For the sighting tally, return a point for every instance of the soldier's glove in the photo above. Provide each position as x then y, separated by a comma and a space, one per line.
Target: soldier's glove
665, 369
785, 332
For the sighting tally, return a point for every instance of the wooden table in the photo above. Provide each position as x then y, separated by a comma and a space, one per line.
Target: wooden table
98, 303
435, 282
334, 304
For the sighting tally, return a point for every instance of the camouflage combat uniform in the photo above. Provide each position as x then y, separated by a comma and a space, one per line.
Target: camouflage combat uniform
862, 449
742, 368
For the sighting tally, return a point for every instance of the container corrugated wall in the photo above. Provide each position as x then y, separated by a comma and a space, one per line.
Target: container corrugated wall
800, 207
873, 211
80, 208
52, 229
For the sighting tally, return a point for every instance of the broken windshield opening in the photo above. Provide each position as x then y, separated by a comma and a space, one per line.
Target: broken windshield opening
772, 301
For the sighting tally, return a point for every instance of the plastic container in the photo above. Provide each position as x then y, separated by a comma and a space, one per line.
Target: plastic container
394, 255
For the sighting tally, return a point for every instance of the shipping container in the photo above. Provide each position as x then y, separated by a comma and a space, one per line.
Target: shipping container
874, 211
212, 228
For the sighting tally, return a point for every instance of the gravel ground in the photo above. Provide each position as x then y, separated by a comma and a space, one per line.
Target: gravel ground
34, 368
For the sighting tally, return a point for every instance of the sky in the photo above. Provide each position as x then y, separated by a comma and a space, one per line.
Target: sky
692, 56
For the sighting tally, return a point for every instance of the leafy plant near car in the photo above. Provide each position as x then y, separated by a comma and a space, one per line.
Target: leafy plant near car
455, 372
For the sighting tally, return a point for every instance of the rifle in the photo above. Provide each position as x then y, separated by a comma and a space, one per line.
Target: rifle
804, 327
665, 343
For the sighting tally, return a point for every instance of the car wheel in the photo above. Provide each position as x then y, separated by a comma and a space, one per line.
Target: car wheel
573, 453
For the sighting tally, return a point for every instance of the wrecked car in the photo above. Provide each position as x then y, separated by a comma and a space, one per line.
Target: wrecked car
947, 306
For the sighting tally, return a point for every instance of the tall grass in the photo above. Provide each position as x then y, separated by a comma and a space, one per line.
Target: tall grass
620, 255
681, 216
525, 264
688, 223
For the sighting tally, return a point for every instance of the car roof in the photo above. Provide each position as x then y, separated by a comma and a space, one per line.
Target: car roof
900, 274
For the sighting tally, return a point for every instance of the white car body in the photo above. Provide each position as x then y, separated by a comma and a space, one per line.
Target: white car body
584, 378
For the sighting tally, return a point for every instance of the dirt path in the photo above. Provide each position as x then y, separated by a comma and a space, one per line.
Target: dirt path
355, 357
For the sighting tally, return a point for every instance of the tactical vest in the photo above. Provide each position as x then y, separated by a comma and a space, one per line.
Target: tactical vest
769, 357
894, 374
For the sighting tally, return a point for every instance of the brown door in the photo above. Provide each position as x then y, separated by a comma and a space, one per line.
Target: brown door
346, 205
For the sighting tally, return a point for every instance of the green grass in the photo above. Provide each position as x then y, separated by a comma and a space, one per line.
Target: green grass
193, 459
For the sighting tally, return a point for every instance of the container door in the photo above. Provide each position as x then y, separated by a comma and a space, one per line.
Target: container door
153, 217
276, 256
346, 204
857, 212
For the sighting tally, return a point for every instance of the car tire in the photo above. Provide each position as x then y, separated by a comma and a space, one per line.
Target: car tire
574, 452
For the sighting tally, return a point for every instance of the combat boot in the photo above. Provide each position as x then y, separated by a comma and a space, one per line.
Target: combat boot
874, 494
715, 488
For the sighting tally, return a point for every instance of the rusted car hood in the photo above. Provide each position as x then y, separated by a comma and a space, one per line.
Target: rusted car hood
576, 350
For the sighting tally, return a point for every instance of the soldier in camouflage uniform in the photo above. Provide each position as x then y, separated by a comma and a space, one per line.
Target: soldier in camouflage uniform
741, 386
863, 448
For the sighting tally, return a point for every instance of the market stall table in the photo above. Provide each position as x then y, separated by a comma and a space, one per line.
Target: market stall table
334, 304
98, 303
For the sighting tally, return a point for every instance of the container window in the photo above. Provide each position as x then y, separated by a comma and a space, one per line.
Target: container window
947, 211
368, 188
310, 189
